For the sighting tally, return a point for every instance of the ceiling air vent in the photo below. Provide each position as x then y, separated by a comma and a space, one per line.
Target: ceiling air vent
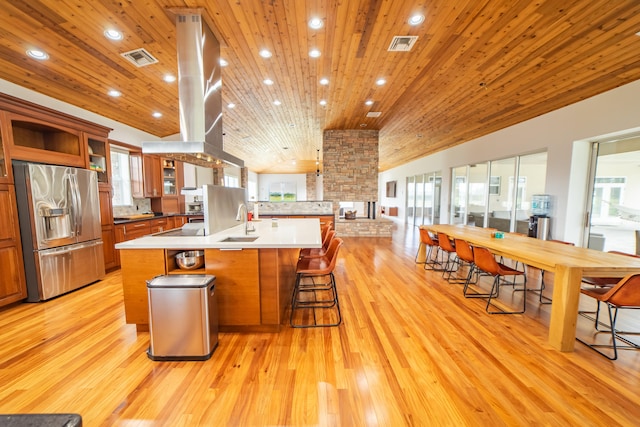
374, 113
402, 43
139, 57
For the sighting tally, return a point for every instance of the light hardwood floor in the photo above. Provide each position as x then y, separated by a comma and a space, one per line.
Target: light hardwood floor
411, 352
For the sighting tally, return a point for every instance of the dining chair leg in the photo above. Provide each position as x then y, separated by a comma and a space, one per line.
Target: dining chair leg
498, 310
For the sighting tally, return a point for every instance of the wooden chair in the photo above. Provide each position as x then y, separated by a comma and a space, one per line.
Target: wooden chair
624, 295
486, 262
315, 287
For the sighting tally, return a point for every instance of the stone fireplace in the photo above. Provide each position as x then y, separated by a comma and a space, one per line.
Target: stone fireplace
350, 181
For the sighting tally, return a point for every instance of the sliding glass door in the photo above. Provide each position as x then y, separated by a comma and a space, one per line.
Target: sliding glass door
614, 209
423, 199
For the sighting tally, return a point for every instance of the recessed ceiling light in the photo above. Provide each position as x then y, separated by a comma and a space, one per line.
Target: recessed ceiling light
316, 23
363, 125
267, 82
314, 53
416, 19
169, 78
157, 114
276, 102
37, 54
369, 102
265, 53
114, 93
324, 81
638, 33
223, 63
112, 34
380, 82
323, 102
231, 105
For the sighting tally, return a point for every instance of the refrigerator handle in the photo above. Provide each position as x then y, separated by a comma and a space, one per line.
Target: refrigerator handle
77, 206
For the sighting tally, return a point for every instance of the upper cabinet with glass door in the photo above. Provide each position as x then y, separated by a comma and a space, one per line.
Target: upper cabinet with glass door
169, 178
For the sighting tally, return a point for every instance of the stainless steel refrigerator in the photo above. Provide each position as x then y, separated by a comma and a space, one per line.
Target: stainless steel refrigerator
59, 211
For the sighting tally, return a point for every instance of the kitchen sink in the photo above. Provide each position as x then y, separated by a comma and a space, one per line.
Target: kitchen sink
237, 239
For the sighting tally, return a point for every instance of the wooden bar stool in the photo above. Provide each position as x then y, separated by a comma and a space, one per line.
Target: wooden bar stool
315, 288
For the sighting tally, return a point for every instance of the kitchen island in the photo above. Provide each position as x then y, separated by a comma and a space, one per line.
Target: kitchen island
254, 277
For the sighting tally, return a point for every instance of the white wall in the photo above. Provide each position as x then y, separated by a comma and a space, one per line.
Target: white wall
563, 133
265, 181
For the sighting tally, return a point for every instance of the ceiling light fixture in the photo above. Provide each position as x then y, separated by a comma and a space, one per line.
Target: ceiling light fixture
268, 82
114, 93
323, 102
276, 102
416, 19
112, 34
380, 82
316, 23
169, 78
265, 53
37, 54
324, 81
156, 114
314, 53
223, 63
231, 105
369, 102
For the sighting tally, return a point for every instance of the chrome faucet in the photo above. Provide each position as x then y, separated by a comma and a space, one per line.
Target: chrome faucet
242, 215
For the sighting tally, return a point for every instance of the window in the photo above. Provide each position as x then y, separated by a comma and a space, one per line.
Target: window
121, 177
231, 181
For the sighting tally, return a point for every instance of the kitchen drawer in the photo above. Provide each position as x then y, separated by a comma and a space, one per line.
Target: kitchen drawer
132, 230
158, 225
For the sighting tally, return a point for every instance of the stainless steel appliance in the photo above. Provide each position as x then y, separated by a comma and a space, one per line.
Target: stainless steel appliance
59, 211
183, 317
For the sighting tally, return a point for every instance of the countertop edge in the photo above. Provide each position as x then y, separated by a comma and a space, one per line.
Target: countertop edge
290, 233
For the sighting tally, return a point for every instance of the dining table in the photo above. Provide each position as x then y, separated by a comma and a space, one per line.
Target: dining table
568, 263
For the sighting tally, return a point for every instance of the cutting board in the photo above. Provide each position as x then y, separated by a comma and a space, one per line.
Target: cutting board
140, 216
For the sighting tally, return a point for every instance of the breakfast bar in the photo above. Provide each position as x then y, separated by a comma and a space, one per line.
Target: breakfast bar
254, 270
569, 263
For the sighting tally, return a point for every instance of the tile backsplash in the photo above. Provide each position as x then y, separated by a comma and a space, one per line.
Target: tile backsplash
293, 208
139, 206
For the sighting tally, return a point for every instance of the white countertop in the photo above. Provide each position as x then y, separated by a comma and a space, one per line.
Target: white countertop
290, 233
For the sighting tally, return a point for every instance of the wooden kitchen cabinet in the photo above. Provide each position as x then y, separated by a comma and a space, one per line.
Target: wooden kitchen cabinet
237, 285
13, 285
111, 259
152, 176
132, 230
99, 159
171, 202
38, 140
159, 224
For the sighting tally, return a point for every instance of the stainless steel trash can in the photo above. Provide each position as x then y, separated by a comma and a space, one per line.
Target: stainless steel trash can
183, 317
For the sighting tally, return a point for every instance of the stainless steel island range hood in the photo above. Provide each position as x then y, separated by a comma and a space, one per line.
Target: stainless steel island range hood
200, 97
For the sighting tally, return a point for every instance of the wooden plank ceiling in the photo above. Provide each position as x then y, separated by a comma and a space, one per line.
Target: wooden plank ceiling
477, 66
